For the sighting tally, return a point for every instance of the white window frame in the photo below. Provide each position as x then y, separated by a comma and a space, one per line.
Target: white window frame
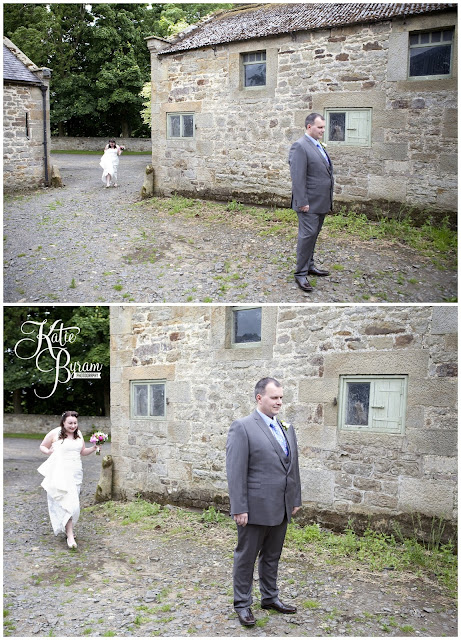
245, 345
374, 415
439, 76
245, 62
348, 142
181, 114
133, 384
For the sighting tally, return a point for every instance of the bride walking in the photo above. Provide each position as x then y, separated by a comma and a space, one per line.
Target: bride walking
63, 474
109, 163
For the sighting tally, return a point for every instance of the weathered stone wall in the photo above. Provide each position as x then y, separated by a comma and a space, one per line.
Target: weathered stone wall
242, 137
30, 423
209, 383
23, 157
68, 143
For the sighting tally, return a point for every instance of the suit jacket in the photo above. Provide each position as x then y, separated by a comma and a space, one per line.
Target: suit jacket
262, 480
311, 176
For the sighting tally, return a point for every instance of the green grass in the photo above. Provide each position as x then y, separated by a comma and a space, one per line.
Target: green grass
130, 512
80, 152
25, 436
378, 550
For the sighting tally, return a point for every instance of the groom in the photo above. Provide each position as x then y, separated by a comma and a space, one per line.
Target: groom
264, 491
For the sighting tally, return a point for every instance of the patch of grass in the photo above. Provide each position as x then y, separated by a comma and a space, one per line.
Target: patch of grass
25, 436
129, 512
377, 550
407, 628
117, 287
109, 634
73, 284
311, 604
261, 622
211, 515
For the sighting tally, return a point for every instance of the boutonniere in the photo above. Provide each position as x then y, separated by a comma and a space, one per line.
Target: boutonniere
285, 425
324, 146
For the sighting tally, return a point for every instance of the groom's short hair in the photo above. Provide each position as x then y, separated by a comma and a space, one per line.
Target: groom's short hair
262, 384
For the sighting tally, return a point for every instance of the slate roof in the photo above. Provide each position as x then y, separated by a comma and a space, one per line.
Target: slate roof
262, 20
15, 70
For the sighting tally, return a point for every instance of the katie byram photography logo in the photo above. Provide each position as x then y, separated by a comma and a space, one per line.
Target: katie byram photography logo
50, 349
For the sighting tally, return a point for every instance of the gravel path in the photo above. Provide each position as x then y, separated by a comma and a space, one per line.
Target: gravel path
87, 244
174, 578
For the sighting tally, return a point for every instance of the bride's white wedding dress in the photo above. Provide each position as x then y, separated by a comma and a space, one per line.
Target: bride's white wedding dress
109, 163
63, 479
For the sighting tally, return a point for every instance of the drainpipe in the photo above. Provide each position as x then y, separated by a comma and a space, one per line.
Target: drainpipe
43, 89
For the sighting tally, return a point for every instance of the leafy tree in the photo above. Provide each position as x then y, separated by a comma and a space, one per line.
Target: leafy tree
26, 387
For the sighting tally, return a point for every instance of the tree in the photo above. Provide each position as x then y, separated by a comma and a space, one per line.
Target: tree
98, 57
26, 387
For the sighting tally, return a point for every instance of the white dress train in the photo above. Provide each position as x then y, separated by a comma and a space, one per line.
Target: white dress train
63, 479
109, 163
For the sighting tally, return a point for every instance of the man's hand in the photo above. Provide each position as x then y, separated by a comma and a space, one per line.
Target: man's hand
295, 510
241, 519
304, 209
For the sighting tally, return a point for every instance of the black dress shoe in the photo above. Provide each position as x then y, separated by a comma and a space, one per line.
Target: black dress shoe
303, 283
246, 617
280, 606
318, 272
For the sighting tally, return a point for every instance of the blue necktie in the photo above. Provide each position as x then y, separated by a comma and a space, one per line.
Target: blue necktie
279, 437
323, 152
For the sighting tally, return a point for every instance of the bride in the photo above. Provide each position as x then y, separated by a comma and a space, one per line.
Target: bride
63, 474
109, 163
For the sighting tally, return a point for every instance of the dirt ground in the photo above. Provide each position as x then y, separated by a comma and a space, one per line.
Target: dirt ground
174, 578
87, 244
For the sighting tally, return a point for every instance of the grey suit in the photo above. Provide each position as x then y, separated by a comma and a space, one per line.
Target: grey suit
312, 184
263, 482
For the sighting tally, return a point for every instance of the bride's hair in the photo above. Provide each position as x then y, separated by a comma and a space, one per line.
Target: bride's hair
67, 414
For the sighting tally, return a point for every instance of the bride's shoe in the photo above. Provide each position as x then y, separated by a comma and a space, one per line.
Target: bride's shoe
71, 545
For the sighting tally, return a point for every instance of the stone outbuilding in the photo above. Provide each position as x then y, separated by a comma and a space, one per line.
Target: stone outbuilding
370, 390
231, 93
26, 121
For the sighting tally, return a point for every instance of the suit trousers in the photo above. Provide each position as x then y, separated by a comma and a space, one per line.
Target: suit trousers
309, 226
268, 542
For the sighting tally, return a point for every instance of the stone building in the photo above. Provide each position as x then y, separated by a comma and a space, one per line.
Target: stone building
230, 95
26, 121
371, 392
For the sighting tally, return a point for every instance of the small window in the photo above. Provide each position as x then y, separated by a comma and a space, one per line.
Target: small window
372, 403
246, 326
431, 53
254, 69
27, 126
351, 127
180, 125
148, 399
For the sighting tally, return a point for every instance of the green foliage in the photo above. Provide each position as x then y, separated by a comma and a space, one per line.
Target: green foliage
131, 512
98, 57
23, 382
211, 515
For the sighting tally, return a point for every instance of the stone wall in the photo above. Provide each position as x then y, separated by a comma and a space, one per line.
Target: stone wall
67, 143
242, 136
29, 423
368, 476
23, 157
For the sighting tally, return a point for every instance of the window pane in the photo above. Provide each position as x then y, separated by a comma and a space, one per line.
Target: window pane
430, 61
175, 126
447, 36
358, 402
188, 126
140, 400
157, 399
247, 326
436, 36
424, 38
414, 39
255, 75
337, 129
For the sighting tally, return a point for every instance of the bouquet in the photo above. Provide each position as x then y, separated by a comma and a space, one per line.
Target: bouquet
98, 437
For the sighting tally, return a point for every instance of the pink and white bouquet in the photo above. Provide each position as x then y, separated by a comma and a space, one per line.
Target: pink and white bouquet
98, 437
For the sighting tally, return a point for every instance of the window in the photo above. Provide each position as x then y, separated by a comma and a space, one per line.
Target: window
348, 127
372, 403
27, 126
180, 125
254, 69
430, 53
148, 399
246, 326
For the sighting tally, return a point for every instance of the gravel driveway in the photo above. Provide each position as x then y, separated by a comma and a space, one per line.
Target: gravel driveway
175, 578
87, 244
